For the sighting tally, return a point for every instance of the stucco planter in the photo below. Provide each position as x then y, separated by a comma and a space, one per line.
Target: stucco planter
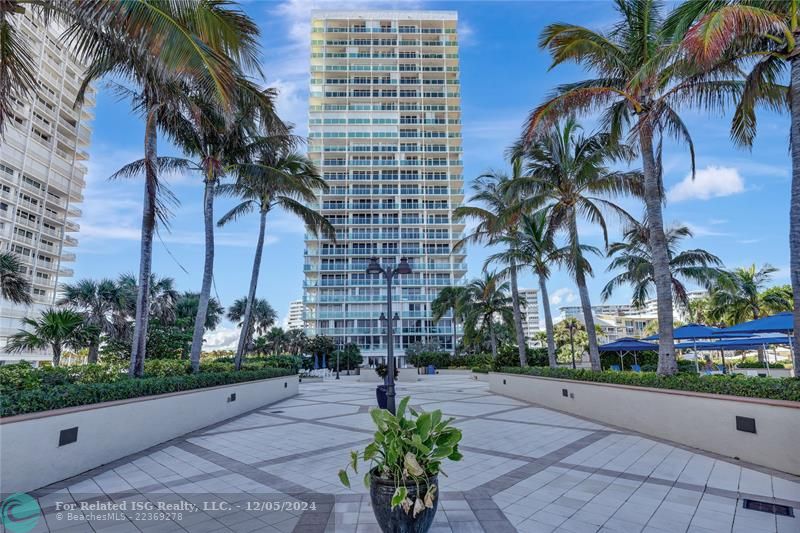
38, 449
711, 422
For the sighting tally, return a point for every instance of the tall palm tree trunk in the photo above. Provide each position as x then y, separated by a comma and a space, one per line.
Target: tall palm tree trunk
94, 349
208, 272
662, 277
493, 339
251, 294
56, 354
139, 344
588, 318
521, 344
455, 333
548, 323
794, 209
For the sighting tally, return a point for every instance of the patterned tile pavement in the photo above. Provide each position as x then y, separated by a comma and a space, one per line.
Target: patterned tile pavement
525, 468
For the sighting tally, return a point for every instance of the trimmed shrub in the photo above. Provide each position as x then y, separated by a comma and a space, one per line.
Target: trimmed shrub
730, 384
75, 394
753, 362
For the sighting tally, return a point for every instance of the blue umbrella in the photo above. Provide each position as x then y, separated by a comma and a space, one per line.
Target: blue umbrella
627, 344
691, 332
736, 344
780, 323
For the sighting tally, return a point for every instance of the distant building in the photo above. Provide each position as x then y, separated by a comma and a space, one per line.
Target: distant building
530, 313
42, 169
295, 320
576, 311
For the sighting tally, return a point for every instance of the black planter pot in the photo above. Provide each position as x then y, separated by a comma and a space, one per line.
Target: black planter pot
397, 520
380, 393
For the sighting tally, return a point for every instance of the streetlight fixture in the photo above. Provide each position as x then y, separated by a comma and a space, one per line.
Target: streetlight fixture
389, 273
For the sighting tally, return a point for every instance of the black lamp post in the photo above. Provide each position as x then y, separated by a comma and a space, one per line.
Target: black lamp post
572, 327
389, 273
337, 364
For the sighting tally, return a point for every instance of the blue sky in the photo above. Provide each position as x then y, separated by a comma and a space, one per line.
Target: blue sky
738, 204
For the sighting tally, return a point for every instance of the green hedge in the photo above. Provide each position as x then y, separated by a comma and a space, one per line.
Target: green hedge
755, 363
74, 394
734, 385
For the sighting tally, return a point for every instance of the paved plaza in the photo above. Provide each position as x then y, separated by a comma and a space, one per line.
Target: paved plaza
525, 468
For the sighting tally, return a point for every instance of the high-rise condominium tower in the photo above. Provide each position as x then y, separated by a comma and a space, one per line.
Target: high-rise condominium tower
385, 130
42, 169
530, 313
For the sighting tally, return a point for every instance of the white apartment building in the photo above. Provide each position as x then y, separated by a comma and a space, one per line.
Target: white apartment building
385, 130
42, 169
295, 319
529, 298
576, 311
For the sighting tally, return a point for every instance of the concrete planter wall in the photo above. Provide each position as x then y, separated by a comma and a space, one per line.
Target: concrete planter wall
704, 421
479, 376
32, 449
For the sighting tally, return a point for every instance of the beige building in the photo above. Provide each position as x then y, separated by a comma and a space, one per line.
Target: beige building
385, 129
42, 169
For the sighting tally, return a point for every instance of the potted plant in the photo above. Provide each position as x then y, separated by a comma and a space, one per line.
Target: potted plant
403, 464
380, 391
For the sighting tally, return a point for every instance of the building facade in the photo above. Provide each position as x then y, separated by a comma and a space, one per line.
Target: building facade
295, 319
385, 130
530, 314
42, 169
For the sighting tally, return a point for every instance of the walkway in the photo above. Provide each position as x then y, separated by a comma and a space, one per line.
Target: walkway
525, 468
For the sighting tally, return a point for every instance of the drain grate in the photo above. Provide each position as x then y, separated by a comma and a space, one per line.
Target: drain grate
766, 507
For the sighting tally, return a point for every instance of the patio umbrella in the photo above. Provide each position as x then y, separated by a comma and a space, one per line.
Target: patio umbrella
627, 344
779, 323
691, 332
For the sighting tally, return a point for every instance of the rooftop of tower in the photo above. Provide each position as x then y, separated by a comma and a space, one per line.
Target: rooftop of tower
377, 15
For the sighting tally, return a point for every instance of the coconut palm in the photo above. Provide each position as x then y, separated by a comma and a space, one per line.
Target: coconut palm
14, 286
641, 79
276, 340
95, 300
262, 317
632, 256
739, 294
497, 213
762, 36
534, 247
276, 178
296, 341
55, 329
450, 299
223, 41
488, 302
567, 174
186, 310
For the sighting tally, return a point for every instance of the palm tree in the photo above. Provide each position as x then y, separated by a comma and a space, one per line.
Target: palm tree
497, 213
763, 36
276, 340
632, 255
186, 310
276, 178
488, 301
738, 294
55, 329
96, 301
567, 174
14, 286
534, 247
450, 299
641, 79
262, 317
213, 42
296, 341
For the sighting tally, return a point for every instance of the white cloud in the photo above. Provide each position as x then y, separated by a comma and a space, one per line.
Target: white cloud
710, 182
222, 338
564, 296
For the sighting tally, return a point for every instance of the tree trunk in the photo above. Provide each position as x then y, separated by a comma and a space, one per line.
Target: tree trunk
493, 339
139, 343
208, 272
94, 349
794, 209
521, 344
548, 323
662, 275
56, 354
588, 318
251, 294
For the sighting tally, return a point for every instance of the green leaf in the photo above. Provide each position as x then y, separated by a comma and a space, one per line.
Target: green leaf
400, 494
455, 456
424, 424
354, 461
370, 451
367, 479
401, 409
344, 479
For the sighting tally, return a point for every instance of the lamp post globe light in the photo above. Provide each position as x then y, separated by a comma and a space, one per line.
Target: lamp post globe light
374, 268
